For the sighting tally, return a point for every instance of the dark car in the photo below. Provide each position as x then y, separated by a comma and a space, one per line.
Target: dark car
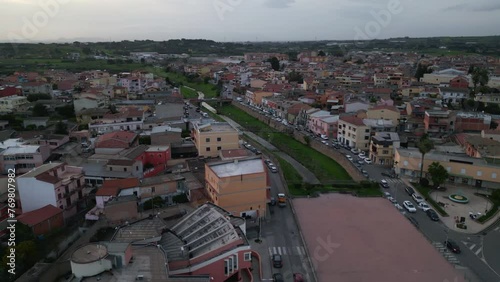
198, 109
452, 246
432, 215
409, 190
273, 201
277, 261
277, 277
297, 277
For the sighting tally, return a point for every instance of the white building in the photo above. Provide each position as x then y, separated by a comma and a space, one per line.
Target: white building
12, 104
453, 95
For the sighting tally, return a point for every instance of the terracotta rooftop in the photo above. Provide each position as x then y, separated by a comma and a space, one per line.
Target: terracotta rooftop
36, 216
352, 120
112, 187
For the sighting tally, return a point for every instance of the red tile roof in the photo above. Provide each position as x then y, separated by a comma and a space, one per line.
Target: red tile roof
352, 120
119, 139
112, 187
40, 215
385, 107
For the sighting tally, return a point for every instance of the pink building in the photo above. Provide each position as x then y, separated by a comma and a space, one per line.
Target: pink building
315, 123
208, 241
56, 184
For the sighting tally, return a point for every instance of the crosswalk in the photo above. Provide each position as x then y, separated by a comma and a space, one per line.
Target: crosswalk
475, 248
394, 181
446, 254
287, 251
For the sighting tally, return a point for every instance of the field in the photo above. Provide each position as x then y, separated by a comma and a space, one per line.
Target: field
207, 89
188, 93
325, 169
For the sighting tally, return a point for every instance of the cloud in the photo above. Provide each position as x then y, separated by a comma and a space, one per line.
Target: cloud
474, 7
279, 4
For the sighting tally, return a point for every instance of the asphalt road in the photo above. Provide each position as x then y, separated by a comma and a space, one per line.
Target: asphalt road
281, 236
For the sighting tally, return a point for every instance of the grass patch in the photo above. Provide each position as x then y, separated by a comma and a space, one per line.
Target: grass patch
292, 178
208, 89
325, 168
188, 93
492, 212
425, 192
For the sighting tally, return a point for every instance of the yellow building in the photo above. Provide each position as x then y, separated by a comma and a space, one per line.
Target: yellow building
353, 132
255, 97
384, 112
462, 168
383, 146
210, 138
238, 186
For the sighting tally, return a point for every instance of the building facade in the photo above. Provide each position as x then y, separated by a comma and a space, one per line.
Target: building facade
383, 146
210, 138
353, 132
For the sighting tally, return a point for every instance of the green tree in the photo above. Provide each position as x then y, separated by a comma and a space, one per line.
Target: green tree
36, 97
112, 109
295, 76
39, 110
67, 111
421, 70
61, 128
307, 139
275, 63
438, 173
480, 77
424, 145
321, 53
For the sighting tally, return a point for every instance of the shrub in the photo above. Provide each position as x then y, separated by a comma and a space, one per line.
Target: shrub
181, 198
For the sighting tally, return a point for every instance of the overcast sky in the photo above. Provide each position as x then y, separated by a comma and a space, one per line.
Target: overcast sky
244, 20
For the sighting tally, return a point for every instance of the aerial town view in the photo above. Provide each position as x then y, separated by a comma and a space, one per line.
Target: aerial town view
241, 141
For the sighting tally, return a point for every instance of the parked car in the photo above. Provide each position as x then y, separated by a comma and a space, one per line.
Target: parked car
432, 214
368, 161
384, 183
348, 157
273, 201
362, 154
278, 277
365, 173
324, 137
417, 198
273, 169
298, 277
409, 206
392, 200
398, 206
423, 206
277, 261
452, 246
267, 161
355, 151
361, 162
409, 190
387, 194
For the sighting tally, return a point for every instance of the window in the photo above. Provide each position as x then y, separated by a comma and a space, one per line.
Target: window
462, 171
226, 267
230, 264
124, 169
479, 173
367, 130
247, 256
235, 262
494, 175
219, 139
385, 152
367, 137
152, 189
208, 149
207, 139
110, 168
405, 163
219, 148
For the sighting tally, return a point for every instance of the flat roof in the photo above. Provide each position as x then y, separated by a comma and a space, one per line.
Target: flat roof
89, 253
367, 239
23, 149
237, 167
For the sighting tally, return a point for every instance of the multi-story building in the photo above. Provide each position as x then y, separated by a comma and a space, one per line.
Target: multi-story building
384, 112
129, 119
453, 95
238, 186
462, 169
383, 146
314, 123
12, 104
438, 123
36, 87
86, 100
56, 184
472, 122
460, 82
479, 147
353, 132
255, 97
488, 98
208, 240
23, 158
210, 138
441, 77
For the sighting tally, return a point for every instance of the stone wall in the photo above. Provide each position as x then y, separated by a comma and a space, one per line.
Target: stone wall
315, 144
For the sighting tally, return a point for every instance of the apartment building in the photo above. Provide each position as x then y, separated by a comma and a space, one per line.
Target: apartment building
353, 132
255, 97
472, 122
438, 123
23, 158
238, 186
12, 104
314, 122
383, 146
385, 113
210, 138
56, 184
462, 169
128, 119
453, 95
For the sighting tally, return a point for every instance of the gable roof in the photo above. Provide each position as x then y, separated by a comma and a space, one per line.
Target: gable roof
40, 215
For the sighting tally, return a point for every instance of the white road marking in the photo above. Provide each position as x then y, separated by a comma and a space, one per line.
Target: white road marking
298, 251
478, 251
284, 251
274, 250
279, 251
270, 252
472, 247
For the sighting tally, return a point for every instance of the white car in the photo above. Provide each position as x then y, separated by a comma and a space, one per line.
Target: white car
392, 200
348, 157
362, 154
398, 206
355, 151
368, 161
324, 137
409, 206
424, 206
417, 198
387, 194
